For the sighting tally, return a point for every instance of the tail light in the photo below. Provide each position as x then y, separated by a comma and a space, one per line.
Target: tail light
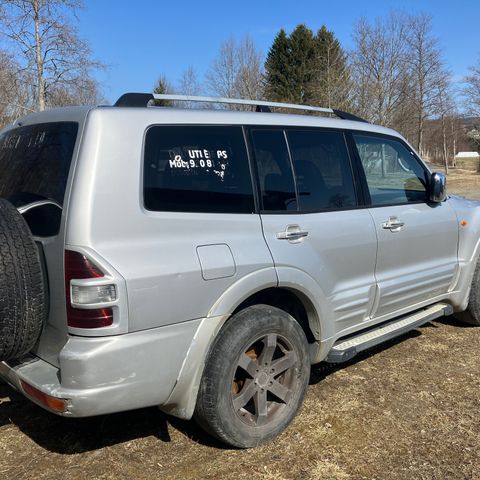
81, 298
53, 403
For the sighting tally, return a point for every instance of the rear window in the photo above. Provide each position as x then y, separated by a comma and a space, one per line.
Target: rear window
322, 170
197, 169
35, 161
274, 170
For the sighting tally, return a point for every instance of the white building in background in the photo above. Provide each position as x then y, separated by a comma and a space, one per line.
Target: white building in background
467, 156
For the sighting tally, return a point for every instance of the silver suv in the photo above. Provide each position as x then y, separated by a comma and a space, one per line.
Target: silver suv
202, 260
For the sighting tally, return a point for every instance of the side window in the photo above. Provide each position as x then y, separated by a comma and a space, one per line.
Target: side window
322, 170
274, 170
197, 169
394, 175
35, 161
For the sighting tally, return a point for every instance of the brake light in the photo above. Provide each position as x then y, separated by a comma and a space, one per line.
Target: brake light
78, 267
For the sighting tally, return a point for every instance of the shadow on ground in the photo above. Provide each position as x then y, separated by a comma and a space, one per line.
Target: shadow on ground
78, 435
322, 370
454, 322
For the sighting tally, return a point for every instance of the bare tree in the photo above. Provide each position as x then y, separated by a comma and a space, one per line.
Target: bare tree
474, 137
46, 44
85, 91
429, 78
472, 91
13, 90
221, 76
249, 78
379, 70
399, 76
331, 82
237, 71
188, 84
444, 109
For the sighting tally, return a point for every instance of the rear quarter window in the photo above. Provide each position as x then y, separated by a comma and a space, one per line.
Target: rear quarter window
35, 161
197, 169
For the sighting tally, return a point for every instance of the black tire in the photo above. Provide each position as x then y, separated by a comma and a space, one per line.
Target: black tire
472, 314
242, 401
22, 290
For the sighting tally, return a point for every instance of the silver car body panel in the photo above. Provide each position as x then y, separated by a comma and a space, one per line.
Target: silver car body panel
180, 276
55, 332
337, 256
410, 266
110, 374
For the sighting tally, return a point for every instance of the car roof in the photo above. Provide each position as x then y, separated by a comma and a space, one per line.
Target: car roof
167, 115
195, 116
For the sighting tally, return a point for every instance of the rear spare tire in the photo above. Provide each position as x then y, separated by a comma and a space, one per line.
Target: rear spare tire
22, 290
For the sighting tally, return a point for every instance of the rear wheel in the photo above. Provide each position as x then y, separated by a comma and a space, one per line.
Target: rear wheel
255, 377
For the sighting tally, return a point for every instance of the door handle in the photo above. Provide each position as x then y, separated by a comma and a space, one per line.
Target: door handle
292, 233
393, 224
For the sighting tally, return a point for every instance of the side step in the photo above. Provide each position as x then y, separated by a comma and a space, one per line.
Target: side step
347, 348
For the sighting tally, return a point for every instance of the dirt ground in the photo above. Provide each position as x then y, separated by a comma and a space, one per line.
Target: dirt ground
463, 182
407, 410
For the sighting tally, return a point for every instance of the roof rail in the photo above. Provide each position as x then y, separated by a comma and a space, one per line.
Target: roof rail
143, 99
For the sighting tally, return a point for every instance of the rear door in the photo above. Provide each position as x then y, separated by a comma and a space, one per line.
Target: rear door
198, 233
35, 163
417, 239
319, 236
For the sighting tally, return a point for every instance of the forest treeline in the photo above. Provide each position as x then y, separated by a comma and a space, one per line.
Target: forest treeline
394, 74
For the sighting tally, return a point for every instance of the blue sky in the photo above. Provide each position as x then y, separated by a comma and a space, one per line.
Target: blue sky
140, 40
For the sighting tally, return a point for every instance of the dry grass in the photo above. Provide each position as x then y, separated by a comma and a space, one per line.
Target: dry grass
409, 410
463, 182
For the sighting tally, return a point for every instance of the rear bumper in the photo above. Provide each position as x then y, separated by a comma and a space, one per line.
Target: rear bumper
108, 374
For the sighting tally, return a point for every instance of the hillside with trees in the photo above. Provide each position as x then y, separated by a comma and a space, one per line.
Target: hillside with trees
394, 74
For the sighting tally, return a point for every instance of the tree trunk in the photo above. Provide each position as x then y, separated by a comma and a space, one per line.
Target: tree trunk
420, 134
454, 135
444, 138
384, 167
38, 59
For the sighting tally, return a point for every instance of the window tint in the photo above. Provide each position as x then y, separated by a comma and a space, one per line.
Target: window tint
35, 161
394, 175
274, 170
197, 169
322, 170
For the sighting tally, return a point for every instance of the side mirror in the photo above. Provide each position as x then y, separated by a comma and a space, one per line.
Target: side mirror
438, 187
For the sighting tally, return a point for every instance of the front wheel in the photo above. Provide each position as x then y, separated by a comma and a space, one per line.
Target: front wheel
472, 314
255, 377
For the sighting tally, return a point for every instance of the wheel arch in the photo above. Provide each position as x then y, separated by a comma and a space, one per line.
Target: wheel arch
294, 302
468, 217
263, 289
300, 289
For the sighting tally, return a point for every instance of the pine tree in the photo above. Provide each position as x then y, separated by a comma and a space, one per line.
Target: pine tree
277, 69
163, 86
307, 69
302, 48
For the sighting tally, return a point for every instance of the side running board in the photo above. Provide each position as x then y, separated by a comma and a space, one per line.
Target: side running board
347, 348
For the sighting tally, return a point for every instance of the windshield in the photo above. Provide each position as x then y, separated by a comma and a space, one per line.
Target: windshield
35, 161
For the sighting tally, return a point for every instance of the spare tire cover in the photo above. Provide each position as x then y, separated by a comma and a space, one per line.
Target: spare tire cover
22, 291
